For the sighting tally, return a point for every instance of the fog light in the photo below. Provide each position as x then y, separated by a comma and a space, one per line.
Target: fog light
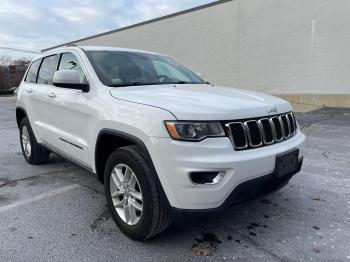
207, 178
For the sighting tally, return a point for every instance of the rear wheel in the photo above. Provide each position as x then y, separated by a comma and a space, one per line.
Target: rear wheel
33, 153
133, 196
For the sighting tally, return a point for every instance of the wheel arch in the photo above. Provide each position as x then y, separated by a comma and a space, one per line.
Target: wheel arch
109, 140
20, 114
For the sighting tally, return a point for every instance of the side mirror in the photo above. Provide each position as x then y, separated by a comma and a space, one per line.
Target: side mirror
69, 79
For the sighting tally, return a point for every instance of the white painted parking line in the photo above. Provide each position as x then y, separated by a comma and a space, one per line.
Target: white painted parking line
38, 197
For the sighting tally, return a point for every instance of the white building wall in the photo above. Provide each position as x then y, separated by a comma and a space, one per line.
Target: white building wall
274, 46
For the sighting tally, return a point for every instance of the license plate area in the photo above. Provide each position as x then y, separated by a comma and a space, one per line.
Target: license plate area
286, 163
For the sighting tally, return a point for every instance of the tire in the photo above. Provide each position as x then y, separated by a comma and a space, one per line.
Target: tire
155, 215
33, 153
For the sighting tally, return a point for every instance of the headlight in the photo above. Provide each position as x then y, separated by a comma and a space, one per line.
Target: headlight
194, 131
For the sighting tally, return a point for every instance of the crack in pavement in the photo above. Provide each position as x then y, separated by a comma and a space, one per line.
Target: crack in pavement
326, 153
82, 185
46, 175
104, 216
15, 181
313, 123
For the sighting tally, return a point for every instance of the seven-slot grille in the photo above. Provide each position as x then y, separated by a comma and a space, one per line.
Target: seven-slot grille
252, 133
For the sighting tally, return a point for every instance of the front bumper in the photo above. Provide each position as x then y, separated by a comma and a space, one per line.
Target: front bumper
259, 187
174, 160
248, 190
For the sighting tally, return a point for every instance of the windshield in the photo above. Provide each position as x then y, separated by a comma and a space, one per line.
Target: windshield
120, 68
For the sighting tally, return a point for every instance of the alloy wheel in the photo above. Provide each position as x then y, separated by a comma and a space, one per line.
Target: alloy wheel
126, 194
27, 147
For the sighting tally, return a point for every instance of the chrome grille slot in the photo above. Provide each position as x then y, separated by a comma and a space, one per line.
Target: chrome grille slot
238, 135
278, 128
286, 128
295, 121
291, 123
253, 133
267, 131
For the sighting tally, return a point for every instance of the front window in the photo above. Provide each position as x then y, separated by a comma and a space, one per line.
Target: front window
70, 62
120, 68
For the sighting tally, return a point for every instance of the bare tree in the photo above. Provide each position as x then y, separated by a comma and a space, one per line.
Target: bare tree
11, 72
4, 73
5, 59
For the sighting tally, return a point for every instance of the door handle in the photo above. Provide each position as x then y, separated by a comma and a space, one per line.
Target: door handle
52, 95
29, 90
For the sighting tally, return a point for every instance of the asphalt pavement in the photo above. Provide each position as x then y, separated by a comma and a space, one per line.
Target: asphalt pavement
57, 211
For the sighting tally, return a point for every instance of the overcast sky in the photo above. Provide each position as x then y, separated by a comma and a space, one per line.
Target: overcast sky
37, 24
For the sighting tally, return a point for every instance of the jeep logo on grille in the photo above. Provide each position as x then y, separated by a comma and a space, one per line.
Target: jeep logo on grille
272, 110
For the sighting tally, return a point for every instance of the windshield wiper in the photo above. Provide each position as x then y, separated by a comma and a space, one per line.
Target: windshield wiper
153, 83
135, 84
182, 83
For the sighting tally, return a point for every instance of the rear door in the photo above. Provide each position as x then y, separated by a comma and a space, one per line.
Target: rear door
67, 114
44, 82
34, 98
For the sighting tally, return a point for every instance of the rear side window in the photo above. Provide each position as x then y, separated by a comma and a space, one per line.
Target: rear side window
70, 62
32, 72
47, 70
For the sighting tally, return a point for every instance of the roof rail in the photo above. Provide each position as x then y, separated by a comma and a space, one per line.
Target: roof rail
74, 45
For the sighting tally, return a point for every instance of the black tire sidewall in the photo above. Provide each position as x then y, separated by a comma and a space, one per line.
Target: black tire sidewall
38, 154
143, 172
25, 122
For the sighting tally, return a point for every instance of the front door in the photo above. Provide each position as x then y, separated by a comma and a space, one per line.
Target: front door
67, 116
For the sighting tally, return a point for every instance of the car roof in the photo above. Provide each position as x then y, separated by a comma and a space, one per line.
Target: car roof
107, 48
91, 48
94, 48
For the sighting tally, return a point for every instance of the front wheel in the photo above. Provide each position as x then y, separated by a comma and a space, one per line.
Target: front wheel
133, 196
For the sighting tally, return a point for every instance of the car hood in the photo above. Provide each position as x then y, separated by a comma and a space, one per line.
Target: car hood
203, 102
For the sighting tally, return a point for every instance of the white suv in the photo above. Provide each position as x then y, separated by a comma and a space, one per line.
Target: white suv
161, 139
